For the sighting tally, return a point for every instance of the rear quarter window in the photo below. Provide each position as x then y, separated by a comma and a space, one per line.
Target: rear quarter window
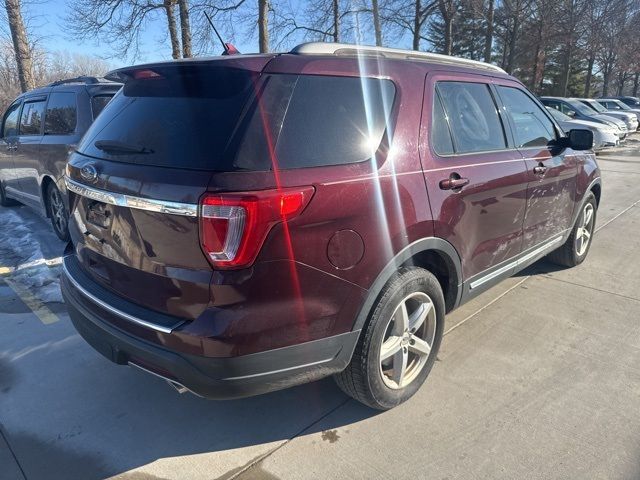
61, 116
302, 121
98, 102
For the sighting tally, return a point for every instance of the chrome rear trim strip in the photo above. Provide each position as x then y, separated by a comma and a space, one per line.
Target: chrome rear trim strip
122, 200
111, 309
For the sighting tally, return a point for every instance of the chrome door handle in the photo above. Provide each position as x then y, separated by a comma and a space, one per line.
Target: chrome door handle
540, 169
454, 182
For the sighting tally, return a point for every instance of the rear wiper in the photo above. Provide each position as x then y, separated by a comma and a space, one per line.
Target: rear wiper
115, 147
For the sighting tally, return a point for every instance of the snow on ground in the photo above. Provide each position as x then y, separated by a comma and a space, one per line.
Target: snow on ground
23, 238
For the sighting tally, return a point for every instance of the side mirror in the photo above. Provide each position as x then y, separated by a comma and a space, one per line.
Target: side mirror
571, 113
580, 139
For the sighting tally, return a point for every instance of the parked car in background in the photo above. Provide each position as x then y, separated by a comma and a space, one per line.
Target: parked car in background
39, 129
603, 135
633, 102
246, 223
577, 110
615, 104
630, 119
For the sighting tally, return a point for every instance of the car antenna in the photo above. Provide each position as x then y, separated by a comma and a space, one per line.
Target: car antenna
229, 49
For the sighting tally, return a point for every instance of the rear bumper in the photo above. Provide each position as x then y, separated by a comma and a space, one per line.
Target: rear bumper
211, 377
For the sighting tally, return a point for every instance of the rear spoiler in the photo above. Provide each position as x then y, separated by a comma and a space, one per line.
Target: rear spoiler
163, 69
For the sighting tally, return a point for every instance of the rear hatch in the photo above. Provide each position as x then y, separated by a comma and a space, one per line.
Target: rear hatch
139, 172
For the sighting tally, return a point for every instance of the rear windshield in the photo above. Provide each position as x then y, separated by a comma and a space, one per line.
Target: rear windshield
223, 119
176, 117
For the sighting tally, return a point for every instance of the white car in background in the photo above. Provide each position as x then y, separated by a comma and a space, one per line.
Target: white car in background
615, 104
604, 136
630, 119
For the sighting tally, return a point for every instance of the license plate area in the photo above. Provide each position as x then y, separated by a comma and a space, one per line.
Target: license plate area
99, 214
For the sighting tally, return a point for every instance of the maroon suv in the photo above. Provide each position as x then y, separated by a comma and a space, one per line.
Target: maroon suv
246, 223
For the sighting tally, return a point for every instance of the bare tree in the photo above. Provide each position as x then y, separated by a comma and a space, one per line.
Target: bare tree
448, 9
173, 30
263, 25
488, 38
120, 23
375, 11
20, 44
185, 28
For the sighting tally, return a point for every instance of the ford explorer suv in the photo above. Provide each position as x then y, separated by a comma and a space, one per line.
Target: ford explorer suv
38, 130
246, 223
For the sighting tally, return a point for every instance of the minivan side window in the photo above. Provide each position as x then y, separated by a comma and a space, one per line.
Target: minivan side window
10, 125
473, 116
31, 119
61, 115
533, 128
440, 133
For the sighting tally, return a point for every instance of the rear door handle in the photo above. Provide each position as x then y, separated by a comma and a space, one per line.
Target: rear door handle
454, 182
540, 169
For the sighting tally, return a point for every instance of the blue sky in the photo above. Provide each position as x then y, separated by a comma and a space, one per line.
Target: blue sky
49, 23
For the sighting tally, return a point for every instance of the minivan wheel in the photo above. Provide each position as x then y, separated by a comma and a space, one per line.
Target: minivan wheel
4, 201
577, 246
58, 213
399, 343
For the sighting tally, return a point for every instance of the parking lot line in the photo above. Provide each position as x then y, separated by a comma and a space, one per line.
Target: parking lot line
39, 309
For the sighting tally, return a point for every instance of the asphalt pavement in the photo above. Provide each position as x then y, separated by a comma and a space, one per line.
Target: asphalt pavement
537, 378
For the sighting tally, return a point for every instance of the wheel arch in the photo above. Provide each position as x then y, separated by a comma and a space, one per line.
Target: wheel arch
434, 254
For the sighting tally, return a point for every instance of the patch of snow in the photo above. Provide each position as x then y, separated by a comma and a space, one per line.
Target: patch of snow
21, 252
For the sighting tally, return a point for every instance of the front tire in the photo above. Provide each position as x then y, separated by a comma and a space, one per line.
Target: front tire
399, 343
58, 212
577, 246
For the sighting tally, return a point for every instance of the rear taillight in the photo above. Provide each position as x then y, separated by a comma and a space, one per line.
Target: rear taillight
233, 226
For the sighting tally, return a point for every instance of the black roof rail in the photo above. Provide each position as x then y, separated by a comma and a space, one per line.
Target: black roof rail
87, 80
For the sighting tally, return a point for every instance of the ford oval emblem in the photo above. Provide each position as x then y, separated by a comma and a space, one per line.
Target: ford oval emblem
89, 173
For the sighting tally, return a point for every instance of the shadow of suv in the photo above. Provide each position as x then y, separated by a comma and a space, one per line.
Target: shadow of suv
246, 223
38, 131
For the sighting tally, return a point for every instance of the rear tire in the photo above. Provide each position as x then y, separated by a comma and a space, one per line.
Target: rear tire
4, 201
57, 212
399, 343
577, 246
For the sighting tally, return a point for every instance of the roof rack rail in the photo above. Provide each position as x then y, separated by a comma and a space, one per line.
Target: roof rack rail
323, 48
88, 80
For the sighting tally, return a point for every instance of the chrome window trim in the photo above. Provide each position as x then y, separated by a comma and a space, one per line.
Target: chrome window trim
130, 201
111, 309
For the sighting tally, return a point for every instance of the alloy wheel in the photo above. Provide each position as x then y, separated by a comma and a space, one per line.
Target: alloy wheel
408, 339
585, 230
58, 211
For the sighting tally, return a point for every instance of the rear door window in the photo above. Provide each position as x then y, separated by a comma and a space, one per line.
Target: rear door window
473, 116
533, 128
10, 124
61, 115
31, 118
